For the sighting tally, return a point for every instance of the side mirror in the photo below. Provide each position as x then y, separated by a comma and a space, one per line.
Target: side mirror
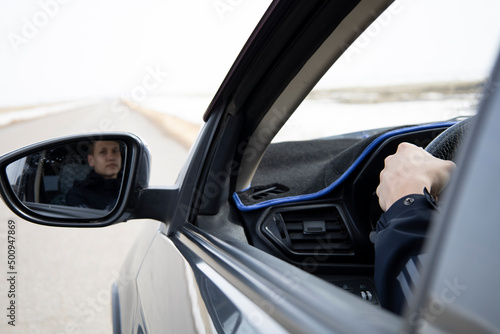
85, 180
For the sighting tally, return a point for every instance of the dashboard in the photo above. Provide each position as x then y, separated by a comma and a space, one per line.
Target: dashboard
313, 204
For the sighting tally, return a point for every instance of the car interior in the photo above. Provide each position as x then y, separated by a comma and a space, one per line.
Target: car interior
312, 202
51, 174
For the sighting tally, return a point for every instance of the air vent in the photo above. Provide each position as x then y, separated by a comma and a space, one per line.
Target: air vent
260, 193
310, 231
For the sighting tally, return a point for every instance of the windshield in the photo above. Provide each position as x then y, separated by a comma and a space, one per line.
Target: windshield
421, 61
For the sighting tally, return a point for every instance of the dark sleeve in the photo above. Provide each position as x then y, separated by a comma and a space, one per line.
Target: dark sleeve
401, 232
76, 198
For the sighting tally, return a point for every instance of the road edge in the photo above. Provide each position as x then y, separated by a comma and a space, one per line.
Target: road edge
180, 130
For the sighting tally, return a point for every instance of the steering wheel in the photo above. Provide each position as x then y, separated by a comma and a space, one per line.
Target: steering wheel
446, 144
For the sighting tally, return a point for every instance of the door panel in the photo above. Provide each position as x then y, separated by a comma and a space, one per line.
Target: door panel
171, 302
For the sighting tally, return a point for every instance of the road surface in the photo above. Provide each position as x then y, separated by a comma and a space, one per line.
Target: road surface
64, 275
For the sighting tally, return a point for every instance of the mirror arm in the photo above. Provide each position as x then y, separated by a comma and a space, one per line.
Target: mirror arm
155, 203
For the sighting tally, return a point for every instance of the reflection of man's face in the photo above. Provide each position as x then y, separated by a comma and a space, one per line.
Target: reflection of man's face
106, 159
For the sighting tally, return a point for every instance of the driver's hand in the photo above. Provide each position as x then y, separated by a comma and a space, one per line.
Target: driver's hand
409, 171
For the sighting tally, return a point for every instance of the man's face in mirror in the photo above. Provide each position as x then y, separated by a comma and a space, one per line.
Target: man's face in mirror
105, 158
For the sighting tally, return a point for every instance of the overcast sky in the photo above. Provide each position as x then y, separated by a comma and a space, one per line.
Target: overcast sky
57, 49
422, 41
64, 49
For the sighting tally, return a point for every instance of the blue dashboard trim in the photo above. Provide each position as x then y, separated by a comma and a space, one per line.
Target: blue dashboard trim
336, 183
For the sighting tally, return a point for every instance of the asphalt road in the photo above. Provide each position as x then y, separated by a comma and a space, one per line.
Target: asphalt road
64, 275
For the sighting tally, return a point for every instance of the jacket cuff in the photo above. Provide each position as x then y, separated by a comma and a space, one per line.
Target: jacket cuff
406, 203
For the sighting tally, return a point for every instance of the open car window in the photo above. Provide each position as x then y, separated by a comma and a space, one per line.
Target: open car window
404, 69
401, 74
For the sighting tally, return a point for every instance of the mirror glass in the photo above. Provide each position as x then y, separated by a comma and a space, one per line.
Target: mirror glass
76, 180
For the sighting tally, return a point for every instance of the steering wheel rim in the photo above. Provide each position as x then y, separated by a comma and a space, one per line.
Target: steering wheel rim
445, 145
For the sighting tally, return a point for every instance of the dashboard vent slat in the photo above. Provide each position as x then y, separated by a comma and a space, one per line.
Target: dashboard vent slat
310, 231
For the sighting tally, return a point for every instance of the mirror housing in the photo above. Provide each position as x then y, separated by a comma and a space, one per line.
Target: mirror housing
30, 161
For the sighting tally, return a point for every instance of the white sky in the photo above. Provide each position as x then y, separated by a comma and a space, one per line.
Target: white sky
108, 47
439, 40
82, 48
